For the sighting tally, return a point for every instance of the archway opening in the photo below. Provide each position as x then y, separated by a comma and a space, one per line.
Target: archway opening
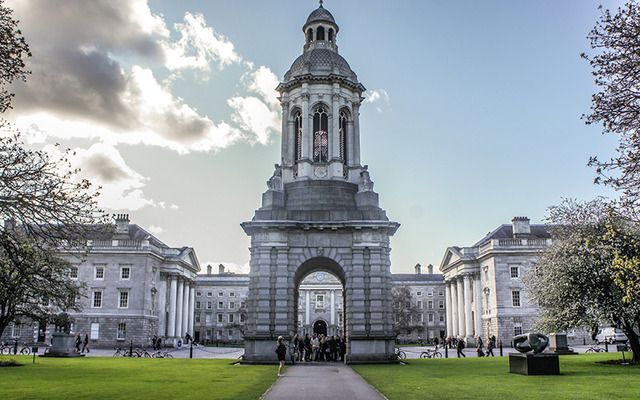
320, 327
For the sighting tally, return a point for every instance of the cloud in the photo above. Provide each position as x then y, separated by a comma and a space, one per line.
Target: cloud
379, 96
156, 230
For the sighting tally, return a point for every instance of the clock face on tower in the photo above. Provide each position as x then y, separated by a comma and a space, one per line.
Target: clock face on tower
320, 276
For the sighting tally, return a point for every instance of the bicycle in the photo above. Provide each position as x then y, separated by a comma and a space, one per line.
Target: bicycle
594, 349
120, 352
162, 354
431, 354
401, 355
12, 349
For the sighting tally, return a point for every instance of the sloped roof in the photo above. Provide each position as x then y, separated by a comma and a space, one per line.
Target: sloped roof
505, 231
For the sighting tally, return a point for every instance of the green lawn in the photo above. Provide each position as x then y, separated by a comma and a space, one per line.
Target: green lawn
489, 378
136, 378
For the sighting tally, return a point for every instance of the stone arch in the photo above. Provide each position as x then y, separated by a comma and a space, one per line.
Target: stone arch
319, 263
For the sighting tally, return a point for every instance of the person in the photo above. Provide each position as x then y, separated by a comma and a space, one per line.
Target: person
301, 356
293, 349
479, 347
187, 338
449, 342
493, 339
159, 343
460, 347
281, 351
436, 342
490, 348
333, 344
307, 347
85, 344
78, 342
154, 340
343, 347
315, 346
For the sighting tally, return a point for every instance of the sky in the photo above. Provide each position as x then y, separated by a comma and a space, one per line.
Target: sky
472, 117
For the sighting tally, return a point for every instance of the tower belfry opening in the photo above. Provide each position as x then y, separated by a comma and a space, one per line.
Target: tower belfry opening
320, 212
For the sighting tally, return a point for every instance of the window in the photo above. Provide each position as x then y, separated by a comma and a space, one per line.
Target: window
122, 330
125, 273
73, 272
232, 294
320, 33
219, 318
517, 328
430, 304
515, 298
319, 301
230, 318
243, 318
15, 330
515, 272
219, 335
297, 123
220, 294
197, 305
430, 317
243, 304
343, 135
232, 305
209, 334
198, 293
418, 293
124, 299
220, 305
99, 272
330, 34
441, 304
198, 318
320, 135
97, 299
95, 331
207, 319
209, 294
430, 293
419, 304
441, 293
209, 305
309, 35
441, 318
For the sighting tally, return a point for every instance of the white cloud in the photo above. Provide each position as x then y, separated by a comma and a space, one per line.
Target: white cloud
379, 96
156, 230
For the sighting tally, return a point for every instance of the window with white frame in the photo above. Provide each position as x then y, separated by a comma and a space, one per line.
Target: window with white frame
230, 334
441, 318
15, 330
319, 301
219, 335
517, 328
125, 273
197, 305
198, 318
441, 304
95, 331
441, 293
220, 305
230, 318
430, 293
73, 272
418, 293
220, 294
515, 298
198, 293
514, 271
209, 294
419, 303
207, 319
97, 299
430, 317
219, 318
123, 299
232, 294
430, 304
232, 305
99, 272
209, 305
122, 331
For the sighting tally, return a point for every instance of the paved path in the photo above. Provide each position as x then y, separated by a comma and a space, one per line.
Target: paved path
321, 381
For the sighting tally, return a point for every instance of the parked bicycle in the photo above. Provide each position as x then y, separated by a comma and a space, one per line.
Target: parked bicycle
12, 349
162, 354
595, 349
430, 354
400, 355
121, 352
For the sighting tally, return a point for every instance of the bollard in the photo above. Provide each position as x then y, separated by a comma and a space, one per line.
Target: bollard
606, 346
446, 352
191, 350
501, 348
131, 349
584, 341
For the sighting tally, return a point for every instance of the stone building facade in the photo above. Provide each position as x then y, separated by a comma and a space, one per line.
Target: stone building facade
485, 293
320, 212
321, 306
136, 287
220, 306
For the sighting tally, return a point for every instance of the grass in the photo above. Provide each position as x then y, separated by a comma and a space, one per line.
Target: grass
136, 378
489, 378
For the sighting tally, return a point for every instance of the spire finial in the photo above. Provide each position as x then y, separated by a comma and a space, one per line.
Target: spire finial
321, 1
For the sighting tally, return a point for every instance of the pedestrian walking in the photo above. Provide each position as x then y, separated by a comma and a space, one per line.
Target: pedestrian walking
459, 347
301, 356
85, 344
281, 351
159, 343
315, 347
490, 348
479, 346
78, 343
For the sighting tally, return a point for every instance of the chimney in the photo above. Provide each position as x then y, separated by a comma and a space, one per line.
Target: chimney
521, 227
430, 269
220, 269
122, 223
209, 268
418, 268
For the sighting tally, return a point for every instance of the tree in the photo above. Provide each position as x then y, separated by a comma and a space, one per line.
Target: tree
616, 67
13, 52
406, 312
574, 281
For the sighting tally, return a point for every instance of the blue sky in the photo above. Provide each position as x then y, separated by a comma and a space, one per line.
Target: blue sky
473, 114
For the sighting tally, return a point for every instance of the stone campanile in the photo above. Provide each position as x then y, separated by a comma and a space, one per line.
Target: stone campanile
320, 212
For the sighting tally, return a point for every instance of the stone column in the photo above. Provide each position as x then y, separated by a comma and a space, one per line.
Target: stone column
477, 299
461, 321
468, 320
448, 305
185, 309
333, 307
356, 133
287, 143
173, 298
453, 289
307, 308
191, 309
179, 307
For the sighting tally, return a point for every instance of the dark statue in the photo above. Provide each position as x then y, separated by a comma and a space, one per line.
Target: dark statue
531, 341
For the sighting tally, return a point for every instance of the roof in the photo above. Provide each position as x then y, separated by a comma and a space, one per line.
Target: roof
418, 277
323, 62
320, 14
505, 231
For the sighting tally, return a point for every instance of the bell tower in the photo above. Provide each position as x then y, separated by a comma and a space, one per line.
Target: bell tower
320, 212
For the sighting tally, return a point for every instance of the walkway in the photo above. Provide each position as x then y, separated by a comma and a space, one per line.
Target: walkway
321, 381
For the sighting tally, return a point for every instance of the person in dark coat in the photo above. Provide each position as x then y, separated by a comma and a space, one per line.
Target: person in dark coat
85, 344
490, 348
78, 343
301, 356
307, 347
281, 351
460, 347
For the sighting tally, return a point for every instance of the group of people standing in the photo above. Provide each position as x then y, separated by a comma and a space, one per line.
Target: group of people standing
317, 347
459, 344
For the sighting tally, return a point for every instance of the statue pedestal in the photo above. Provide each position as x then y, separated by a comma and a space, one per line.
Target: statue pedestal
558, 344
534, 364
62, 345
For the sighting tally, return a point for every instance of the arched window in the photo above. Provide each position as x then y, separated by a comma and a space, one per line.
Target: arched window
320, 135
343, 136
309, 35
320, 33
297, 138
330, 34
